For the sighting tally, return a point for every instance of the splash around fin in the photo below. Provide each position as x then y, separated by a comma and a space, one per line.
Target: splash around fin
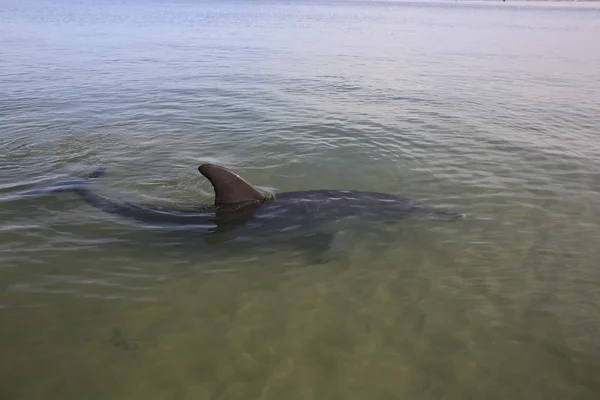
230, 188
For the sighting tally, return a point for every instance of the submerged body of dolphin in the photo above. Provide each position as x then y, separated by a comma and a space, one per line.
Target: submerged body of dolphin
239, 208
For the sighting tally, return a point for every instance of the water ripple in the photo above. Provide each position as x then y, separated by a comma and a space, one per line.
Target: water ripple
489, 109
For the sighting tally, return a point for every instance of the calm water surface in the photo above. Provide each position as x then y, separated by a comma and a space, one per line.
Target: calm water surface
488, 109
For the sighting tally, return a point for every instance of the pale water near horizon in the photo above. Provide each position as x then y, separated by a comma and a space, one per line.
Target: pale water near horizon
492, 110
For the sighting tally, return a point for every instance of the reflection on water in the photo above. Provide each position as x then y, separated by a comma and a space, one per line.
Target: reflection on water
487, 109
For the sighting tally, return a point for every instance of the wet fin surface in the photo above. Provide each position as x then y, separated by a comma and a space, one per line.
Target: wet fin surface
229, 187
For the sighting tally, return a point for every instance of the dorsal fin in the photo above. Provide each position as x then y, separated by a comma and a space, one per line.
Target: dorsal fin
230, 188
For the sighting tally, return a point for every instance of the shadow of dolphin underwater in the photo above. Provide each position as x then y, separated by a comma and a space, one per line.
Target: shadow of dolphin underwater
319, 219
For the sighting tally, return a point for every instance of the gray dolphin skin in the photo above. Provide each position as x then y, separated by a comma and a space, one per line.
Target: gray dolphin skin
241, 210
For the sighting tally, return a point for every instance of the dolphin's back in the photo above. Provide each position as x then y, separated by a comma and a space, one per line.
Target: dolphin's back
238, 204
149, 213
329, 204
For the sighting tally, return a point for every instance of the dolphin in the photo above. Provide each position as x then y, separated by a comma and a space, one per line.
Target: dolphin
240, 210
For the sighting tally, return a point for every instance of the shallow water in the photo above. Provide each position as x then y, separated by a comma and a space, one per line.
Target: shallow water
487, 109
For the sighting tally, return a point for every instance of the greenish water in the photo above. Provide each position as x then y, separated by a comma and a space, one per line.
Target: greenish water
487, 109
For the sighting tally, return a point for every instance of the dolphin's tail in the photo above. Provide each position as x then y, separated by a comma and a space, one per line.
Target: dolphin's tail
97, 173
73, 185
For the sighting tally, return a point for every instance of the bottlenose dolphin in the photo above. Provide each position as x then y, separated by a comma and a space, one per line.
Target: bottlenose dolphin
241, 210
